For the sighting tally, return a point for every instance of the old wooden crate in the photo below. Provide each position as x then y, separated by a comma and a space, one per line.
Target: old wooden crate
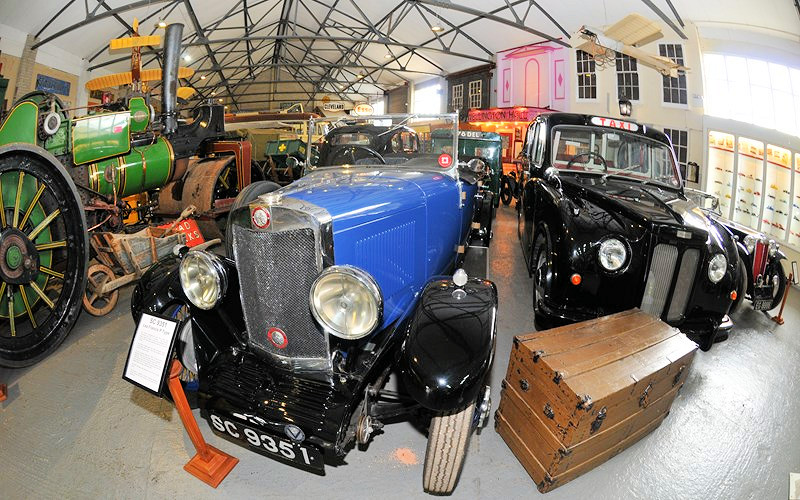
577, 395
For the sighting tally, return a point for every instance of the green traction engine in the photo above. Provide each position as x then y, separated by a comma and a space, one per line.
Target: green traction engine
62, 177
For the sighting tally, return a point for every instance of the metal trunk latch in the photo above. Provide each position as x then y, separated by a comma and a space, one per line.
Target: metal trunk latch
559, 377
524, 385
678, 376
644, 400
537, 355
548, 411
586, 402
598, 421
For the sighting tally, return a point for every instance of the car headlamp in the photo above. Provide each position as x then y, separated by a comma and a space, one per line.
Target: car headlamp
203, 279
612, 254
716, 267
773, 248
346, 302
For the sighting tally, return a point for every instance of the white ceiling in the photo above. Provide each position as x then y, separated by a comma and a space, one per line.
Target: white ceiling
309, 60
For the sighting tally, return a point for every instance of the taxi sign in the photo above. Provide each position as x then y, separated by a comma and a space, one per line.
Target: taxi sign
610, 122
445, 160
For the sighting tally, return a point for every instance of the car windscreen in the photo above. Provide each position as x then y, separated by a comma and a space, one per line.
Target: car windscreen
395, 140
596, 149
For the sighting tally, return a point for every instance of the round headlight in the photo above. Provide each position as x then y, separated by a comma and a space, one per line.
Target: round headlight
203, 279
612, 254
346, 302
716, 267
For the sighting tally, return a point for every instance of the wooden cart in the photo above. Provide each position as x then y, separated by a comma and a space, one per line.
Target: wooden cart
127, 256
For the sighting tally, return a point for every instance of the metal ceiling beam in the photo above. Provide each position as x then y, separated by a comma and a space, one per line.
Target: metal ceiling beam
321, 65
307, 37
97, 17
491, 17
48, 23
202, 37
665, 18
678, 17
552, 20
171, 8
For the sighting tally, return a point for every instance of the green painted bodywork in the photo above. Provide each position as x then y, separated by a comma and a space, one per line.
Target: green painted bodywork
20, 125
487, 146
9, 182
146, 167
293, 147
100, 136
140, 114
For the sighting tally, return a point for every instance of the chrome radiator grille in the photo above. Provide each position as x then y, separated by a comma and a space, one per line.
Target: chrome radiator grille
663, 265
276, 270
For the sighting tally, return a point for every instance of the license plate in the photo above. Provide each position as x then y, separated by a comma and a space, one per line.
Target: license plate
266, 444
762, 305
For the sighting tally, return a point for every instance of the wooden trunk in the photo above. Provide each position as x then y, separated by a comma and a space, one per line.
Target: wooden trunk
577, 395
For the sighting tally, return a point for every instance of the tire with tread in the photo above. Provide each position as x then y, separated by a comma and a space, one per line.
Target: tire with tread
448, 438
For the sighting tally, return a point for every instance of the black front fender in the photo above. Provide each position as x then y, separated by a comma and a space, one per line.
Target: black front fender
449, 343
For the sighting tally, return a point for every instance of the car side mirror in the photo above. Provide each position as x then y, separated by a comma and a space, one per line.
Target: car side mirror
551, 176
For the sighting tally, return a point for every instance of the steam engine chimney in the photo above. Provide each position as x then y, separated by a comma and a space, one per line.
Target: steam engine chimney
169, 77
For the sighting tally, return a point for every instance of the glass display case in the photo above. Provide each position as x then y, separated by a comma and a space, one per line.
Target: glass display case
749, 182
777, 204
794, 227
720, 169
757, 184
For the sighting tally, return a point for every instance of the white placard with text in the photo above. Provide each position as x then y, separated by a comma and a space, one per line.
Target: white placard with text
150, 352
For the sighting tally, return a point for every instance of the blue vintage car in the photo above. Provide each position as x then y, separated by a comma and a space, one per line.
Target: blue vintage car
335, 282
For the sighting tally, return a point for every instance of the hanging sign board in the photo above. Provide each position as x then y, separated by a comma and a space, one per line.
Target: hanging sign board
150, 352
363, 109
332, 106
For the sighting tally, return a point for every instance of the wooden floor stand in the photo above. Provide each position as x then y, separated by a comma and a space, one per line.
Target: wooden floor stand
779, 318
210, 465
3, 392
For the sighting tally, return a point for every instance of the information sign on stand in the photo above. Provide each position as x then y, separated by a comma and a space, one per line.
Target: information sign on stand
150, 353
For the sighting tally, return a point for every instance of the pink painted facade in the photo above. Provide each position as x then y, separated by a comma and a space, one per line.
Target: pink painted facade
533, 75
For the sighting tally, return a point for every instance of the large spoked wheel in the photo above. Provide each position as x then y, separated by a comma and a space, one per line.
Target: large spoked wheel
448, 437
43, 255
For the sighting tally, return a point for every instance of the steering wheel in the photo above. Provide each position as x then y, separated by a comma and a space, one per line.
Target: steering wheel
588, 155
346, 151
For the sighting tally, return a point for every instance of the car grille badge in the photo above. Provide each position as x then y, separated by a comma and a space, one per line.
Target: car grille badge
294, 433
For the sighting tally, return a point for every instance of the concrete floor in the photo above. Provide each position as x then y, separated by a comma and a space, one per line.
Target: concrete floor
73, 428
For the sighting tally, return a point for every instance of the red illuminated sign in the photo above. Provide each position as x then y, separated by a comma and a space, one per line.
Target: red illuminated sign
517, 114
610, 122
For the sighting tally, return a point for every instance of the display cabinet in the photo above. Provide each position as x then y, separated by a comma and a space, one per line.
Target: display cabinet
720, 169
794, 226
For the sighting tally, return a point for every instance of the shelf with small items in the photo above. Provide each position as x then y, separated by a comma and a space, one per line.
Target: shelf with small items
720, 175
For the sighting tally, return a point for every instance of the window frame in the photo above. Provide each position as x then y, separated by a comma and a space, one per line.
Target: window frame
631, 71
666, 81
585, 68
478, 94
460, 94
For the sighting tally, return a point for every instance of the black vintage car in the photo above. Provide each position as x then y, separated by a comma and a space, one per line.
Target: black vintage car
335, 282
363, 144
761, 277
605, 226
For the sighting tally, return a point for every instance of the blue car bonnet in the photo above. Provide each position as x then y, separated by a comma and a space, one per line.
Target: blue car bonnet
400, 225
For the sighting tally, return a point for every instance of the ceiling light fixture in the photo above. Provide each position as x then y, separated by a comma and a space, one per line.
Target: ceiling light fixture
436, 28
220, 99
202, 77
187, 57
388, 56
162, 24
